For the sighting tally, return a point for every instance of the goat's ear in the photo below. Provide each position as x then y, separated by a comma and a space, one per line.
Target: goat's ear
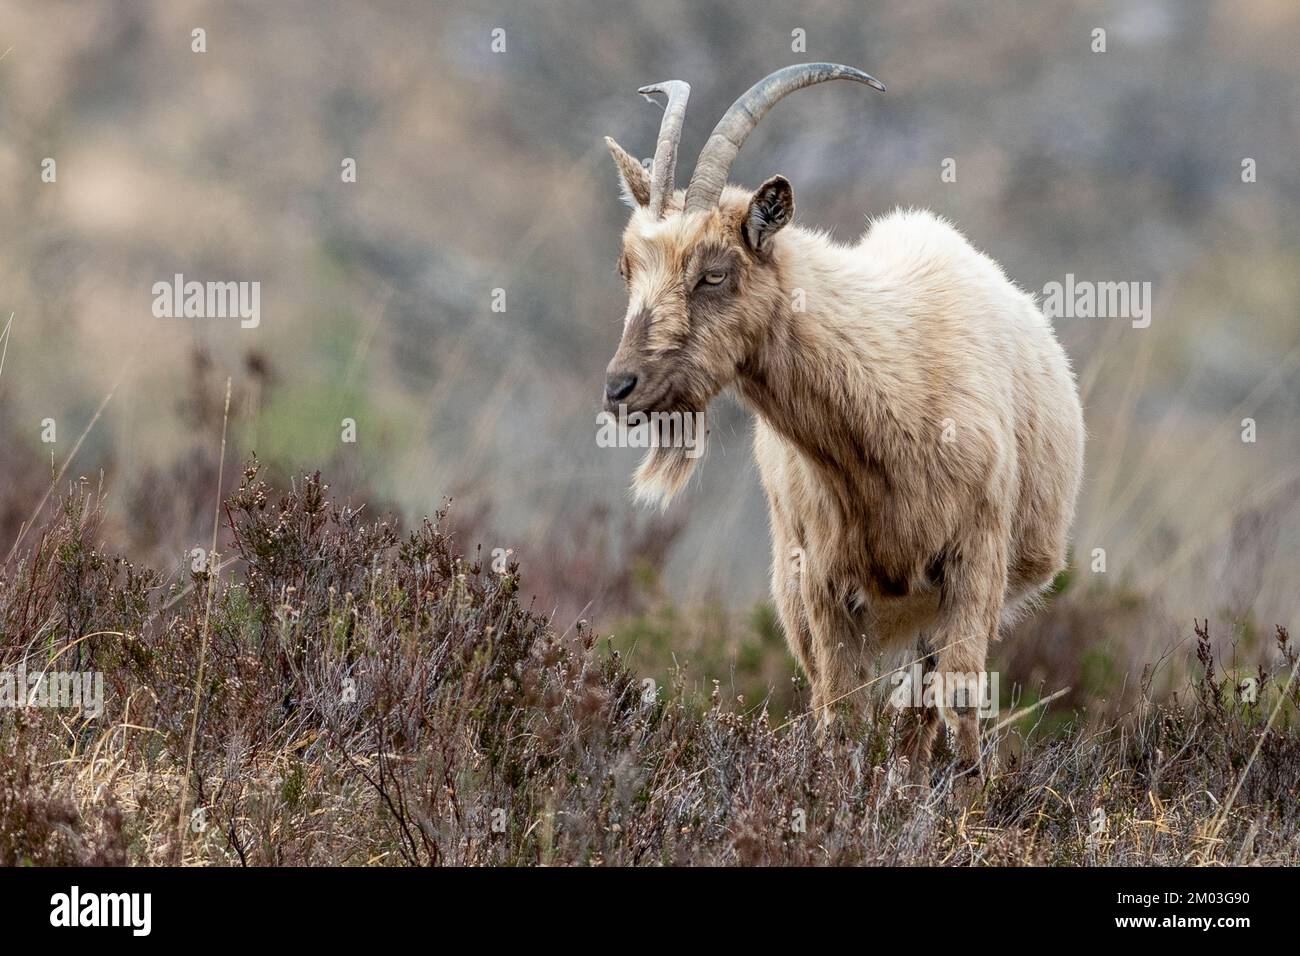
634, 181
770, 209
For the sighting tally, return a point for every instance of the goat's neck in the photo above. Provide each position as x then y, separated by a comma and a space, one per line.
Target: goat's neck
813, 378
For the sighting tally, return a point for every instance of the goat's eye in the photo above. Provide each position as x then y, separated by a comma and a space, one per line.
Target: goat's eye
713, 278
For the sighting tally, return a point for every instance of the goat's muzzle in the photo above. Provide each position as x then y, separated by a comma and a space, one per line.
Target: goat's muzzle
618, 386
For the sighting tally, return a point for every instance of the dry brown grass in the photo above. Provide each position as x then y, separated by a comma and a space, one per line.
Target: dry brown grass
476, 733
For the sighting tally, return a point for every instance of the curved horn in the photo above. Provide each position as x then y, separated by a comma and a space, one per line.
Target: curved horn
670, 134
738, 122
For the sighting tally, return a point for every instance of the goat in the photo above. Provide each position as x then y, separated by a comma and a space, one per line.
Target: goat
918, 428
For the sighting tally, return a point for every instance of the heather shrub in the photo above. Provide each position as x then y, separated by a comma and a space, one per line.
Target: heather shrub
376, 696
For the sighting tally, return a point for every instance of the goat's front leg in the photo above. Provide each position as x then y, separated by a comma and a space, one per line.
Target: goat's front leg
920, 724
838, 652
974, 582
787, 574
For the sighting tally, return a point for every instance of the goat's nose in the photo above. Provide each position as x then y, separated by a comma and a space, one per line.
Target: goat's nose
619, 386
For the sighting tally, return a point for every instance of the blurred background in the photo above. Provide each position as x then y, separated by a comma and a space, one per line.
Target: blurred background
476, 130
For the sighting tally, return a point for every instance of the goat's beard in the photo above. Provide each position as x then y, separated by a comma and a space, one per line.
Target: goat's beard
665, 469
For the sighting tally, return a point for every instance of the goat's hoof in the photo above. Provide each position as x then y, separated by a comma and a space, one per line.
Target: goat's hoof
967, 786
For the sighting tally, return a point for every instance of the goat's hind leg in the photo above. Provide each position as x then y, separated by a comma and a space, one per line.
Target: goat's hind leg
969, 613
